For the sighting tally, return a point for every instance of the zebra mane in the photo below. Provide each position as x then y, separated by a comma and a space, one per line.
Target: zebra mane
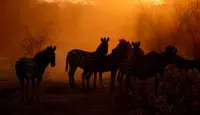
40, 55
122, 41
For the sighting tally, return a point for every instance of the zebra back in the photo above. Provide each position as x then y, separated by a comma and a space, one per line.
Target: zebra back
24, 67
186, 64
35, 67
82, 58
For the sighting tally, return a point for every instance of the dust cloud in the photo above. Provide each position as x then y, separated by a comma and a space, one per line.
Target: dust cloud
79, 25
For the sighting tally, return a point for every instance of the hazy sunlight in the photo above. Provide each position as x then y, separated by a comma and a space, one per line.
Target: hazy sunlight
153, 2
85, 2
92, 2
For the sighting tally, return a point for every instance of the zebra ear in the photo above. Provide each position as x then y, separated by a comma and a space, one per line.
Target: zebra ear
138, 43
108, 39
54, 48
133, 44
104, 39
101, 39
49, 47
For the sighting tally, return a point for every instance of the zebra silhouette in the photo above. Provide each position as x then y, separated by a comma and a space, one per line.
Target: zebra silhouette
186, 64
109, 62
133, 53
148, 66
83, 59
30, 69
129, 54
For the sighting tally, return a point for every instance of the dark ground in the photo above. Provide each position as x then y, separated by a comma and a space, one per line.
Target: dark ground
58, 99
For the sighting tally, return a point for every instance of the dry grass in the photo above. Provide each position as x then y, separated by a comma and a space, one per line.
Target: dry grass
180, 97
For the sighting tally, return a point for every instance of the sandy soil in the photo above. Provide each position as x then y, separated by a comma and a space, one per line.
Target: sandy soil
58, 99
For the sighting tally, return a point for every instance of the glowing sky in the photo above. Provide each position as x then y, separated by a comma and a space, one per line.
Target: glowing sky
92, 2
86, 2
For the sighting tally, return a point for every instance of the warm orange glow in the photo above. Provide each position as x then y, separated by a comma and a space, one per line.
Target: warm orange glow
78, 24
153, 2
61, 2
92, 2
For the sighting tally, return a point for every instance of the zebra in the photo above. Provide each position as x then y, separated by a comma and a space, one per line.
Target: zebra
135, 52
147, 66
79, 58
186, 64
130, 52
110, 62
30, 69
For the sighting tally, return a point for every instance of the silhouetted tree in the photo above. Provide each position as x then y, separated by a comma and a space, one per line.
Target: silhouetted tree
147, 22
32, 44
189, 22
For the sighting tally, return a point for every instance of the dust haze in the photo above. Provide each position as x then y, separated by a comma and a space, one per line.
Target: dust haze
70, 25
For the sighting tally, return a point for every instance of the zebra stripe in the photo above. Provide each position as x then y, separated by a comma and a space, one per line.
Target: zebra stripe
127, 66
25, 67
26, 60
81, 57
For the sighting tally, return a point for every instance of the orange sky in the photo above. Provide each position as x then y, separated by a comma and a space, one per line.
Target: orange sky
81, 25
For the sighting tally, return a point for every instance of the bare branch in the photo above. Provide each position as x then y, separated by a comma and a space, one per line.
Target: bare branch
32, 44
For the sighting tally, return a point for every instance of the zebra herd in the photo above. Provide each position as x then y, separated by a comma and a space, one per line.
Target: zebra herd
128, 59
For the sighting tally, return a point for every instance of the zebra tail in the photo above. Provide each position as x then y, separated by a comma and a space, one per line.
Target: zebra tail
66, 67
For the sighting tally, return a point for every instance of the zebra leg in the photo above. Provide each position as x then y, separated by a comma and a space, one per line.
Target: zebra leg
95, 77
84, 75
27, 88
112, 81
38, 88
22, 88
100, 79
128, 82
33, 88
120, 78
71, 73
88, 79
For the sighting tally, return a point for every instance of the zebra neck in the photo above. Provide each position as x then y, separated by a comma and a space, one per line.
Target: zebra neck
43, 65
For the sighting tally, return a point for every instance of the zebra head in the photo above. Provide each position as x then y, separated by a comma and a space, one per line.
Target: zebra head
137, 51
50, 55
170, 54
170, 50
136, 45
103, 47
122, 48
